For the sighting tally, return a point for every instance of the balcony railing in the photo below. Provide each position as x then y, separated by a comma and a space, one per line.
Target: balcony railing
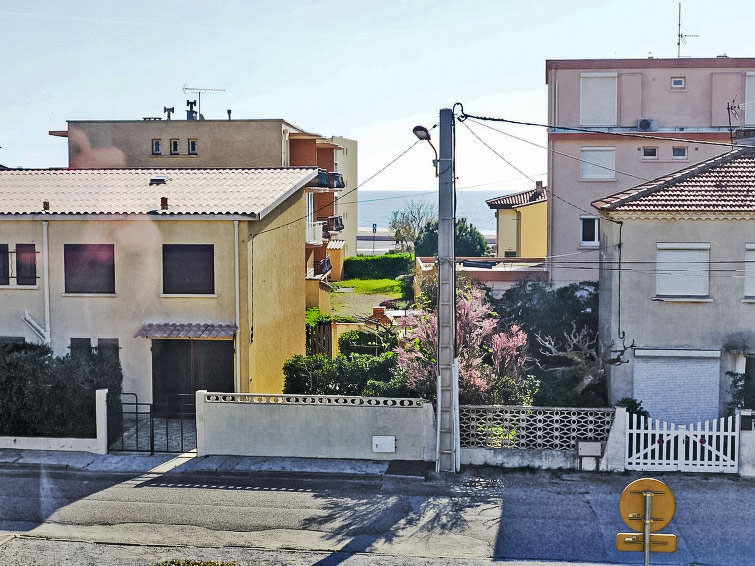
321, 180
335, 181
314, 233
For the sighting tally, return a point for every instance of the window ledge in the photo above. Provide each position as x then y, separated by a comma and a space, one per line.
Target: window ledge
188, 296
592, 180
595, 246
19, 287
97, 295
682, 299
750, 300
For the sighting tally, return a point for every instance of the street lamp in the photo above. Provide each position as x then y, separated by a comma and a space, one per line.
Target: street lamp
423, 134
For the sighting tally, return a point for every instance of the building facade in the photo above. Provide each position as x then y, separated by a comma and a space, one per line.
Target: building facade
193, 276
618, 122
677, 287
192, 143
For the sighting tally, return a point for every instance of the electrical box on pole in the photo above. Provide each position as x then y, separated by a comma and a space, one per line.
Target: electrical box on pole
447, 405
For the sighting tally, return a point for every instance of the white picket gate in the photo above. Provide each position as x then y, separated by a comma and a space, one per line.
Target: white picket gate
709, 446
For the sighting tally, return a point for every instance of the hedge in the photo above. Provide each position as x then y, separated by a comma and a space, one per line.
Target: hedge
342, 375
388, 266
44, 395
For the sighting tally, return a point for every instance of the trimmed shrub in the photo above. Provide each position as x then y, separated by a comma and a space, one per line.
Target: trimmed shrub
388, 266
343, 375
51, 396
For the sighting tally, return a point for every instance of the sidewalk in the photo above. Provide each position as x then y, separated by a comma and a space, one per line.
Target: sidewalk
190, 463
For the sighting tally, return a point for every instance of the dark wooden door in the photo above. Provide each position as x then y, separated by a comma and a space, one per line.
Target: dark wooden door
181, 367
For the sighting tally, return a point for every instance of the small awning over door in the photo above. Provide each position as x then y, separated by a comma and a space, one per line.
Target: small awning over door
188, 330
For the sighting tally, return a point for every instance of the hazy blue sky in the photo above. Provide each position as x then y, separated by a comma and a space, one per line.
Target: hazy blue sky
365, 70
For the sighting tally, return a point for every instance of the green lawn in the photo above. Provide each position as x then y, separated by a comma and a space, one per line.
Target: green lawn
372, 286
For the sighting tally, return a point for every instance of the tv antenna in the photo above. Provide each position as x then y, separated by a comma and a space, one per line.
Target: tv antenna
199, 92
681, 38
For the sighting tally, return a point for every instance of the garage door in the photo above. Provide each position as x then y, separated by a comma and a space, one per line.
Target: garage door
677, 387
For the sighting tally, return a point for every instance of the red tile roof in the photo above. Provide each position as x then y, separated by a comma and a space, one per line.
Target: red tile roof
139, 191
516, 200
218, 330
722, 184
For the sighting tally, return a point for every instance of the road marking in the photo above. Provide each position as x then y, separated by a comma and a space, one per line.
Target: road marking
163, 468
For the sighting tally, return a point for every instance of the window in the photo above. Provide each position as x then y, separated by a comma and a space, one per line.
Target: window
750, 99
108, 348
650, 153
678, 82
89, 268
193, 148
188, 269
155, 147
588, 231
81, 349
682, 269
174, 147
26, 264
598, 99
750, 270
25, 271
679, 152
598, 163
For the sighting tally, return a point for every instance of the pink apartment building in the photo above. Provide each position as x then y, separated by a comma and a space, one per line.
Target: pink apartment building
668, 110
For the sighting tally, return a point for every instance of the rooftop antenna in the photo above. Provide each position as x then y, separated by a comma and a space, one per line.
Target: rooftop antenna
681, 38
199, 92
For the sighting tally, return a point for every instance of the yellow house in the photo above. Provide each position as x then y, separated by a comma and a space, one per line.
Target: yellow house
521, 223
194, 275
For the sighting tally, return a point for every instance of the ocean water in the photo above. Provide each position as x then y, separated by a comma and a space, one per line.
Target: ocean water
377, 206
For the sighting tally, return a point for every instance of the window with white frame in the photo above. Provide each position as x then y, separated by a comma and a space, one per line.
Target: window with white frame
678, 83
155, 146
750, 270
682, 269
598, 99
598, 163
589, 227
193, 147
174, 147
750, 99
650, 153
679, 152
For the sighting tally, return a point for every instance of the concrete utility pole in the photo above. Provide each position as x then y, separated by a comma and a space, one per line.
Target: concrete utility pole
448, 391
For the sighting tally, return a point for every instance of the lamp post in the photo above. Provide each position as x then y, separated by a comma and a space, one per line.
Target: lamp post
447, 440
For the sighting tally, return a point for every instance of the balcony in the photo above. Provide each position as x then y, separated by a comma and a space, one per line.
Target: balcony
335, 181
332, 224
315, 233
321, 180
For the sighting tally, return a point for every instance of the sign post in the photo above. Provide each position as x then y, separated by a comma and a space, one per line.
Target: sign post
646, 505
374, 231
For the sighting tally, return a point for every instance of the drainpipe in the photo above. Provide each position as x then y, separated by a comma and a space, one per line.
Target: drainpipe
238, 303
46, 277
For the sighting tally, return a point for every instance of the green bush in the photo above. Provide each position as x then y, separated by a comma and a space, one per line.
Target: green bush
407, 286
388, 266
367, 342
468, 241
44, 395
342, 375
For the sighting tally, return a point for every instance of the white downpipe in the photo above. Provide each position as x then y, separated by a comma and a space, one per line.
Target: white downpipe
46, 277
238, 303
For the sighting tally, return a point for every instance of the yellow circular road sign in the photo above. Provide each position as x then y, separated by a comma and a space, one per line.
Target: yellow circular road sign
632, 504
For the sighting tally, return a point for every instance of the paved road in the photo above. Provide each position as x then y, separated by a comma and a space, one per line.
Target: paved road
484, 514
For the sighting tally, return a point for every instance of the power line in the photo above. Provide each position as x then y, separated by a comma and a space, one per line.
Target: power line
464, 116
483, 142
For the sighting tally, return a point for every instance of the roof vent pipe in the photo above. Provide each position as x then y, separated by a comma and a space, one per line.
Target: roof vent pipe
163, 203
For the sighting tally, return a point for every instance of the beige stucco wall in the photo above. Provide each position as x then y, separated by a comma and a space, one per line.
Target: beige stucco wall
138, 286
533, 234
674, 325
276, 296
507, 231
348, 197
577, 194
221, 143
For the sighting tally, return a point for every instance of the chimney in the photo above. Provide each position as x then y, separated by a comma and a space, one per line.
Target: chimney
163, 203
538, 185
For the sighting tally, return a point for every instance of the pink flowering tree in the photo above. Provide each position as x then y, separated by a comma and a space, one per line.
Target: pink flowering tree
491, 364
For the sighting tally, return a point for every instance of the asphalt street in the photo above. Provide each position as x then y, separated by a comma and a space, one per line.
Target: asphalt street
484, 516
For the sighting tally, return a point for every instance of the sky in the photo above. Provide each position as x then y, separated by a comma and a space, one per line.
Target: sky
369, 71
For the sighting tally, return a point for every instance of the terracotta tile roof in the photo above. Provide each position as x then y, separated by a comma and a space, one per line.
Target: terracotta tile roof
187, 330
128, 191
722, 184
516, 200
